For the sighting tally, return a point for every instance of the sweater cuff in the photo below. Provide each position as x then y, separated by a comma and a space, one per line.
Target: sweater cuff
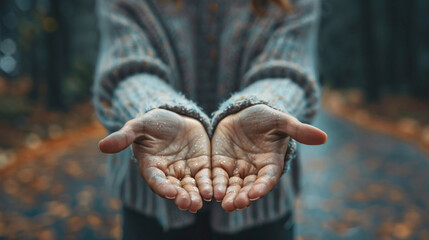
280, 94
138, 94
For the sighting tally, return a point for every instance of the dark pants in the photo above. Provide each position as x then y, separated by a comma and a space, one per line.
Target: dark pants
138, 226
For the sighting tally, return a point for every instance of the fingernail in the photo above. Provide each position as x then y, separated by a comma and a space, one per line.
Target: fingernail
170, 197
208, 199
254, 199
183, 209
192, 211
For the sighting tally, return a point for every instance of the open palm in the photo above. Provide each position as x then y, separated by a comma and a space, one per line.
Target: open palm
173, 153
248, 150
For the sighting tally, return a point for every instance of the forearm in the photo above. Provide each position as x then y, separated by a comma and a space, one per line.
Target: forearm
132, 75
138, 94
284, 74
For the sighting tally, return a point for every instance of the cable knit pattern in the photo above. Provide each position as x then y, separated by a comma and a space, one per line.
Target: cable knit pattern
172, 55
133, 94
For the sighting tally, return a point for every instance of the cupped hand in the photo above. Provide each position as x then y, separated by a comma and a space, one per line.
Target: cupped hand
173, 153
248, 150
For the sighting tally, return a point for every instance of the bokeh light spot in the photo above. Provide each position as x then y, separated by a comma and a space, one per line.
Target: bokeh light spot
8, 46
7, 64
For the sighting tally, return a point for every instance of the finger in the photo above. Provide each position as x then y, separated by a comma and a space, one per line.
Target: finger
158, 182
234, 187
301, 132
204, 184
223, 167
242, 200
121, 139
201, 171
182, 199
220, 183
267, 178
189, 184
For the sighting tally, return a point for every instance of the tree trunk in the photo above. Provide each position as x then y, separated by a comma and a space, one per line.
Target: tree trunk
55, 45
410, 45
372, 81
392, 44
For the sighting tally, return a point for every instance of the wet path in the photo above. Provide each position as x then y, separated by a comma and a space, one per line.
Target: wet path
363, 185
360, 185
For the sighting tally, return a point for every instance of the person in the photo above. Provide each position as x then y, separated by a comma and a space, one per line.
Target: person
163, 65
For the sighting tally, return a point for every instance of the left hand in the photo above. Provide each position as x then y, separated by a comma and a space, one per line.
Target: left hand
173, 152
248, 150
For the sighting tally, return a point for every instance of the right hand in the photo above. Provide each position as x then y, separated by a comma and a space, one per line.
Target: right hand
173, 153
248, 150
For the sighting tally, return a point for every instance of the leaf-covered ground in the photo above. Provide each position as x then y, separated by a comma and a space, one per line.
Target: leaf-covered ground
360, 185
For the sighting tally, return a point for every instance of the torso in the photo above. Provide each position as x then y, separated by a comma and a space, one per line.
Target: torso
213, 45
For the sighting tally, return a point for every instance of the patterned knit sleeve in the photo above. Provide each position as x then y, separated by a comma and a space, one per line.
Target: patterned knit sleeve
132, 75
283, 75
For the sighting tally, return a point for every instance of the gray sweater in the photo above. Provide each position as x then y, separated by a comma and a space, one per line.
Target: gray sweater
196, 57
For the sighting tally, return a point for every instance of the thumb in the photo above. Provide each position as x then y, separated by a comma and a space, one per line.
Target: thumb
117, 141
303, 133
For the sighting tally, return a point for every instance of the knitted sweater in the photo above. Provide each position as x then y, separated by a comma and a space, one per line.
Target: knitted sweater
191, 57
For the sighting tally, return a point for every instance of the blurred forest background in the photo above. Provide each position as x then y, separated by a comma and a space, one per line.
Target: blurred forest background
48, 50
373, 62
